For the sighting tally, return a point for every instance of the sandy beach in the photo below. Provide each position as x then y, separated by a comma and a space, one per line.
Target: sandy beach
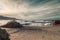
44, 33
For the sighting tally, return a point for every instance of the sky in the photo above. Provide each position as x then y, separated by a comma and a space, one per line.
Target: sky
31, 9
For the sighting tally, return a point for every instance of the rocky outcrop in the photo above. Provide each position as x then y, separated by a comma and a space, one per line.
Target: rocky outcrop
55, 22
12, 24
4, 35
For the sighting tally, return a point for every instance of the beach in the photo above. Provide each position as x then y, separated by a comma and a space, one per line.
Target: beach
44, 33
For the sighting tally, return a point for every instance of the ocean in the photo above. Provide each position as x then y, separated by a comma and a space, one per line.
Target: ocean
28, 23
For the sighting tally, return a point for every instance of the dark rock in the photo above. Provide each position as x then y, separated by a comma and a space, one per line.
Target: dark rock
12, 24
4, 35
55, 22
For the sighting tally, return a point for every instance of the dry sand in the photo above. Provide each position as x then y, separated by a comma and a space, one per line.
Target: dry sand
47, 33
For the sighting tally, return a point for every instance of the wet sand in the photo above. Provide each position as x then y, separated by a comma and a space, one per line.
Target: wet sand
44, 33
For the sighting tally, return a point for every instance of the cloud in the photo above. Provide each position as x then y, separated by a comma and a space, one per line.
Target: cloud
30, 9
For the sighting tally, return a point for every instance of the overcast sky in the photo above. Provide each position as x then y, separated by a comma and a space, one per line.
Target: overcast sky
31, 9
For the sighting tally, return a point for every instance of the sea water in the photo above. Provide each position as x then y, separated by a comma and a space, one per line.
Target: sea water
40, 24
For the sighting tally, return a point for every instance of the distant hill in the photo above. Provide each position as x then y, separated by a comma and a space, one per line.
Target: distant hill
7, 18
